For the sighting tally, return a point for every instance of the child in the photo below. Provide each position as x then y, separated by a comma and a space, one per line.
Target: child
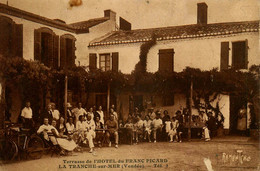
147, 128
173, 131
138, 128
167, 124
130, 128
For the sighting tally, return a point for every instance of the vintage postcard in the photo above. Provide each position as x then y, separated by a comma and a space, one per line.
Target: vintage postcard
129, 85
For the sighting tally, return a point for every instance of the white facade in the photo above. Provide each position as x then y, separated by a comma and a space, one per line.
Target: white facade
82, 40
203, 53
81, 52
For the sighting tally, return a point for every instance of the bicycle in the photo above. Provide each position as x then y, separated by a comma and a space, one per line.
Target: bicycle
20, 141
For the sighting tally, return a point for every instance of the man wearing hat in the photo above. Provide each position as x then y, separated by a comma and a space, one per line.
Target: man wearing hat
69, 113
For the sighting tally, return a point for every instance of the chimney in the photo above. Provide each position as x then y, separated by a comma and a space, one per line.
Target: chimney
110, 14
202, 13
124, 25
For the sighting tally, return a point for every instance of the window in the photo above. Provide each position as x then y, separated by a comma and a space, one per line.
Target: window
168, 99
45, 46
166, 60
11, 38
104, 62
107, 61
239, 55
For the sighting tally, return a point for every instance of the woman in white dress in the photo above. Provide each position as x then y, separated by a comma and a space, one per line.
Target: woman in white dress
62, 141
101, 114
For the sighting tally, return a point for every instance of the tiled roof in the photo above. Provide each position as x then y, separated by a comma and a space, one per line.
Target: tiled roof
176, 32
85, 25
34, 17
79, 27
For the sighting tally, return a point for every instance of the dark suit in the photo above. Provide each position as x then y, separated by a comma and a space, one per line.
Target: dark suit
47, 114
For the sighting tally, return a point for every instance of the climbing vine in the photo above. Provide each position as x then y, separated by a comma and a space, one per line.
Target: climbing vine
141, 66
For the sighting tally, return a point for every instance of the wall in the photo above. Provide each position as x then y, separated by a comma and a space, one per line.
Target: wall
28, 35
179, 104
83, 40
128, 55
203, 53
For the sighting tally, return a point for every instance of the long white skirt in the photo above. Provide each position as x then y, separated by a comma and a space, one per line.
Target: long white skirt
66, 144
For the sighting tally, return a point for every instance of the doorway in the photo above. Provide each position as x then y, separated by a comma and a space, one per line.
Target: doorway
236, 103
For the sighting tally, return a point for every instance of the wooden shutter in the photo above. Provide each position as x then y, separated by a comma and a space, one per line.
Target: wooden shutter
224, 55
56, 52
202, 13
166, 60
246, 54
50, 51
239, 55
62, 52
92, 61
115, 61
18, 40
37, 45
73, 53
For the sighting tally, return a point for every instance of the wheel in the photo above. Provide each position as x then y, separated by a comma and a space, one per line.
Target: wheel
35, 147
9, 150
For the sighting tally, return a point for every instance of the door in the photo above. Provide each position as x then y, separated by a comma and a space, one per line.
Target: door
138, 102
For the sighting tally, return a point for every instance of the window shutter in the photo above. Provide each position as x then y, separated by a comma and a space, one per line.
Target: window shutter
18, 40
50, 51
37, 45
92, 61
73, 53
62, 52
246, 54
239, 55
166, 60
224, 54
115, 61
56, 51
202, 13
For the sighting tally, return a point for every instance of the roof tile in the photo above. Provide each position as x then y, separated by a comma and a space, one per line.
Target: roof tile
177, 32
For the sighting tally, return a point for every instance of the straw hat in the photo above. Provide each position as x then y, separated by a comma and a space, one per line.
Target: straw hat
69, 105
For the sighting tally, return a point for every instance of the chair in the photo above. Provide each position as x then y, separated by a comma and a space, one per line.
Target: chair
53, 149
111, 138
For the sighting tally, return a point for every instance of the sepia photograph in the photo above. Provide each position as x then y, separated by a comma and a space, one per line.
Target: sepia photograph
129, 85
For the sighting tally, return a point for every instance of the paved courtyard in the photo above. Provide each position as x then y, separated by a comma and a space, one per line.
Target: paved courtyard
221, 155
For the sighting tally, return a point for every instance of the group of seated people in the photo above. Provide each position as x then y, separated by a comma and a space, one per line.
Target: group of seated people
81, 128
84, 127
162, 126
154, 127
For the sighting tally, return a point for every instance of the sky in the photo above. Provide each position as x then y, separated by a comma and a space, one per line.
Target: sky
143, 13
